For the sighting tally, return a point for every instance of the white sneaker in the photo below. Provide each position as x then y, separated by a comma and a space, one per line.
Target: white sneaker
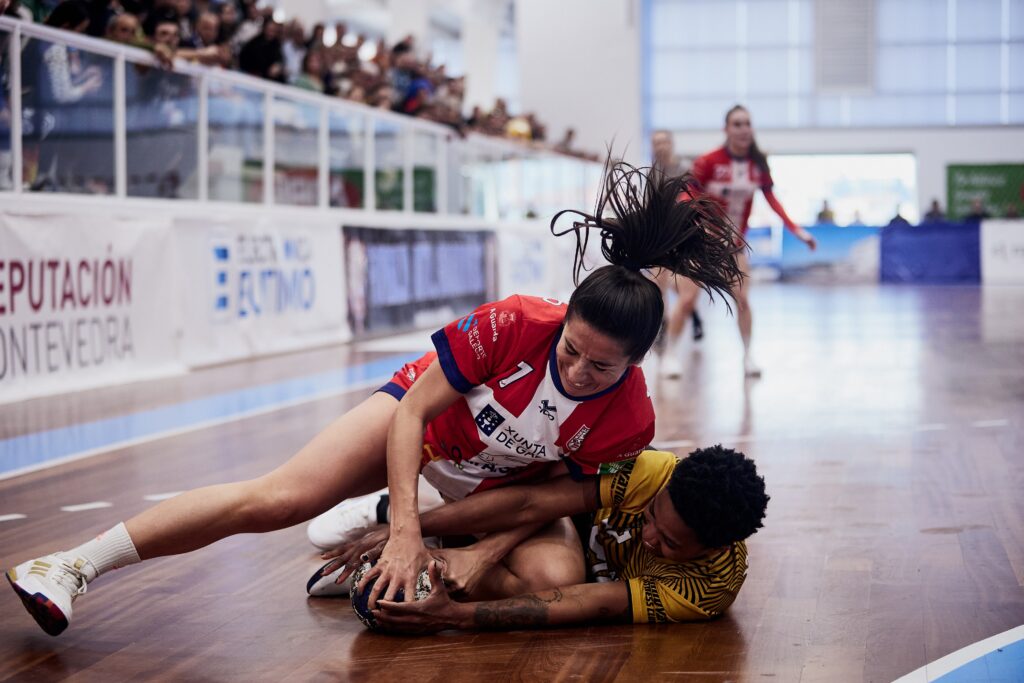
322, 585
47, 587
671, 364
345, 522
750, 368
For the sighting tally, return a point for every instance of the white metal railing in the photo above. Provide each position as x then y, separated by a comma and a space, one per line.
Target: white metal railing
485, 177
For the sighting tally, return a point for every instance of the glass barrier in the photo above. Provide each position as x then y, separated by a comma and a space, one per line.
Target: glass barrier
296, 152
75, 138
162, 133
235, 143
347, 150
67, 99
6, 153
388, 166
424, 171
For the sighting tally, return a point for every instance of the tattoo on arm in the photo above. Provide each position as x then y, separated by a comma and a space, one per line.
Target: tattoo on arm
525, 610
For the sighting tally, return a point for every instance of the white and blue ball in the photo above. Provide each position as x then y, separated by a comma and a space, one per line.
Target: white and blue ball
359, 600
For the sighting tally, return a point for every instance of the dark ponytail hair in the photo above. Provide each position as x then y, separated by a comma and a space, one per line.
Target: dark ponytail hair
759, 158
653, 221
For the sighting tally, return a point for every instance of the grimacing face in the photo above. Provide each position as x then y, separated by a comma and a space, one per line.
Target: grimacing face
588, 361
665, 533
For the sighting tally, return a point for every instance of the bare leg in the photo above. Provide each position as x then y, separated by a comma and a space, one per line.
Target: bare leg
550, 558
744, 318
346, 459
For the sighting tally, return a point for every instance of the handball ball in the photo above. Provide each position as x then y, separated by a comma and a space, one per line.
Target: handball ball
359, 600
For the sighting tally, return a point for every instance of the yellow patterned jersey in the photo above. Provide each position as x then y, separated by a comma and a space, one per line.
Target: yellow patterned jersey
659, 590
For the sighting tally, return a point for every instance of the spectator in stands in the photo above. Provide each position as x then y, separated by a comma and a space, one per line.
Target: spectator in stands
312, 76
250, 26
826, 215
262, 56
186, 27
206, 46
934, 213
978, 211
100, 13
294, 49
898, 219
124, 28
228, 14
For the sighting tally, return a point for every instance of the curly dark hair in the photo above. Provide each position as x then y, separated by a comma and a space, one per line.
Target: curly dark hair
719, 495
647, 219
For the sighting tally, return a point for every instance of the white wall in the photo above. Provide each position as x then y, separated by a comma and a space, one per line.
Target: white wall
933, 147
579, 63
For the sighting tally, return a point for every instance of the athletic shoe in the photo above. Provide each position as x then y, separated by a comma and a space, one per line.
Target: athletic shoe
47, 587
348, 521
671, 364
322, 585
750, 368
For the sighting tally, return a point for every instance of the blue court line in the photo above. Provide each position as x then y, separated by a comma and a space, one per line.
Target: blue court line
38, 448
1003, 665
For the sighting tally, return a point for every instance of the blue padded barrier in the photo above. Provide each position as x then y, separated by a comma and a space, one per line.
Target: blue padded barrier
936, 253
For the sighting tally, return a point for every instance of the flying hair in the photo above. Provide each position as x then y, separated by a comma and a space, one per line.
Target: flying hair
646, 219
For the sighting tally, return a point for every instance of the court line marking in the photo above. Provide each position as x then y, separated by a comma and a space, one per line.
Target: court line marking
954, 660
82, 507
161, 496
74, 442
991, 423
930, 427
11, 517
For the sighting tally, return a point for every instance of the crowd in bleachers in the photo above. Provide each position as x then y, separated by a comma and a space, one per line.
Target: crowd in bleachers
242, 35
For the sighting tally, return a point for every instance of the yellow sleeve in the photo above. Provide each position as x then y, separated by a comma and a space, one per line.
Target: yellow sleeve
690, 591
631, 485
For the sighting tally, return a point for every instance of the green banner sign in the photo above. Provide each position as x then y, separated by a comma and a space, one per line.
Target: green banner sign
999, 187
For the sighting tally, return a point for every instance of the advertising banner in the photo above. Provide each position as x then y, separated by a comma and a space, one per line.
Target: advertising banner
256, 287
85, 300
999, 188
1002, 252
405, 279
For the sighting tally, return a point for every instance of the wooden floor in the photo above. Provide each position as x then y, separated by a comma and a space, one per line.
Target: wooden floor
888, 426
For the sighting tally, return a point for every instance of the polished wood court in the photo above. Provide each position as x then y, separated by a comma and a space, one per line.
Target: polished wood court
889, 426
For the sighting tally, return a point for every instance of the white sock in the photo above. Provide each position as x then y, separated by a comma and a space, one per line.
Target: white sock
112, 549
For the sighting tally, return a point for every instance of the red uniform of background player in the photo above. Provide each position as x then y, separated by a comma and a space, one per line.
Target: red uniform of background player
731, 175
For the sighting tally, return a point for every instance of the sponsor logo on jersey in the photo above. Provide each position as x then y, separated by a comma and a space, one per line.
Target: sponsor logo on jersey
411, 374
520, 445
494, 324
466, 323
506, 318
610, 467
474, 342
489, 420
577, 439
547, 410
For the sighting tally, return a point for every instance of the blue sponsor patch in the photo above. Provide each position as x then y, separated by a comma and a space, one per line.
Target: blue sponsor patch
489, 420
466, 323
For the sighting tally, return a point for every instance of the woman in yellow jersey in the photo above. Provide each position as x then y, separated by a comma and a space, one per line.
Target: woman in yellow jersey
663, 541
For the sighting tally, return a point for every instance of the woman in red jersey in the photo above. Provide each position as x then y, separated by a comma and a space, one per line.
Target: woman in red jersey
731, 175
